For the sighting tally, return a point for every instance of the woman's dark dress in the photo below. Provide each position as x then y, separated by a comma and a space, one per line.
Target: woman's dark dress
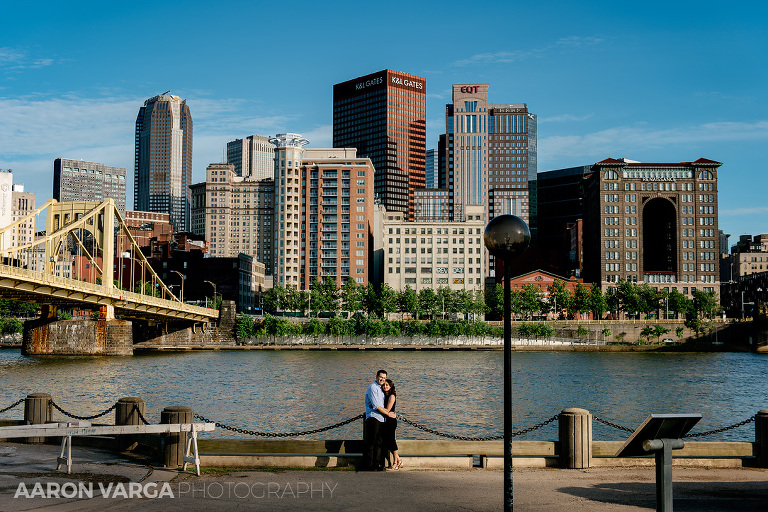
388, 430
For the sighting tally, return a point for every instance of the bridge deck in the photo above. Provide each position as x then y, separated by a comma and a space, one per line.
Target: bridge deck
27, 285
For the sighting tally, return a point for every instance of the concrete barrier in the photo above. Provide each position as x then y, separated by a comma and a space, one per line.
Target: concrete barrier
575, 432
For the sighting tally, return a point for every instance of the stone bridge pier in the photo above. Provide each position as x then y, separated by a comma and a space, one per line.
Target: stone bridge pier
101, 337
106, 336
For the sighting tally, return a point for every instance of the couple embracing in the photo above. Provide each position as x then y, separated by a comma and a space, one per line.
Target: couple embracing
380, 425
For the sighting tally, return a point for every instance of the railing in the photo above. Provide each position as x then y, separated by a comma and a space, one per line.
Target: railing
574, 434
121, 297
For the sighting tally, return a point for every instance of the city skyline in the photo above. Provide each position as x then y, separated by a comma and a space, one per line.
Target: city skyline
604, 81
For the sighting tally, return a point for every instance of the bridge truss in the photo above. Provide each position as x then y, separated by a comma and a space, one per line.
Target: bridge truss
72, 262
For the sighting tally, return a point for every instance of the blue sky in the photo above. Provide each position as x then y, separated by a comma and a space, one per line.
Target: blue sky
651, 81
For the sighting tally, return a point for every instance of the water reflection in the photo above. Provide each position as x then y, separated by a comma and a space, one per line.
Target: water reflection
451, 391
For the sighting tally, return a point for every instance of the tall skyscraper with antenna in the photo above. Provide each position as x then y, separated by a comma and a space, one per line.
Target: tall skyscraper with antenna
163, 159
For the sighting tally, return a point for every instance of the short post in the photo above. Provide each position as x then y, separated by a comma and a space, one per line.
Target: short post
38, 409
175, 444
575, 427
126, 414
761, 438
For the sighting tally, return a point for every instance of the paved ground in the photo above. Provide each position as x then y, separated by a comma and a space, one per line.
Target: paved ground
111, 475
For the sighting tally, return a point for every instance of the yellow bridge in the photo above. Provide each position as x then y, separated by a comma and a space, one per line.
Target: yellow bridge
73, 264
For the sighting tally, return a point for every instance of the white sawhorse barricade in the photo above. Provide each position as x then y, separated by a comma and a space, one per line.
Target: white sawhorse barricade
84, 428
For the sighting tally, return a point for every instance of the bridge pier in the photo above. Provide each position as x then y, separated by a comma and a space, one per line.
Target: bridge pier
102, 337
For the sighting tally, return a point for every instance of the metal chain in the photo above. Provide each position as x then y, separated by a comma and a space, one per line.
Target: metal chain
141, 416
17, 402
723, 429
278, 434
62, 411
467, 438
611, 424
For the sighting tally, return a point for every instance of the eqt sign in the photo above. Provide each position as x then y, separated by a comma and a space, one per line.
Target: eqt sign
468, 88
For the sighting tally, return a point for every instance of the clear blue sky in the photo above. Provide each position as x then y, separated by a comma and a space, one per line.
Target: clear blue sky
650, 81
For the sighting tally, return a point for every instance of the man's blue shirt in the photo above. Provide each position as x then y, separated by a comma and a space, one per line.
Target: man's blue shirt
374, 398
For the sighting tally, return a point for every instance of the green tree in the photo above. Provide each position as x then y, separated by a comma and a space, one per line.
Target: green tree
273, 298
494, 301
629, 299
445, 299
582, 331
428, 303
380, 302
649, 299
352, 297
580, 302
705, 303
529, 300
678, 303
559, 297
659, 331
478, 302
597, 303
647, 332
407, 302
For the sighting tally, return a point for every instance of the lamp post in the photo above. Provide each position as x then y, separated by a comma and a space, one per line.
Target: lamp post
507, 237
181, 296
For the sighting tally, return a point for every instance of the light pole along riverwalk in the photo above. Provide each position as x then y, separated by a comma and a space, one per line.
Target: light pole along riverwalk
507, 237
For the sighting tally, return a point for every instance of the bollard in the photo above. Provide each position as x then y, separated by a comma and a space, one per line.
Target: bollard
126, 415
761, 438
175, 444
38, 409
575, 438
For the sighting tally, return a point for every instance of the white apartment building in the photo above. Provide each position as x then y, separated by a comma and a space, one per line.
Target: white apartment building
427, 255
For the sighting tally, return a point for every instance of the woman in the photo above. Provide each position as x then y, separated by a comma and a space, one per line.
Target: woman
389, 442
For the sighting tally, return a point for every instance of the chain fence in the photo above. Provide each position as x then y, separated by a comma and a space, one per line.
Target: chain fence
697, 434
723, 429
17, 402
468, 438
77, 417
400, 417
278, 434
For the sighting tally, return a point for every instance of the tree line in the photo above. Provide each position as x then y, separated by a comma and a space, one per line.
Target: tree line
528, 302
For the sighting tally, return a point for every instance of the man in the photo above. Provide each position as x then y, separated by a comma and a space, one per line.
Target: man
373, 456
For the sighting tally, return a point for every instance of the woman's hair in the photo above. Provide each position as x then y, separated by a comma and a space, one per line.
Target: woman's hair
391, 387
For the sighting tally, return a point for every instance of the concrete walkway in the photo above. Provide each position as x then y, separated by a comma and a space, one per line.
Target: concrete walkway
115, 476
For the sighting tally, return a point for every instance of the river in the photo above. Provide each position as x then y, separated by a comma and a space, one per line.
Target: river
458, 392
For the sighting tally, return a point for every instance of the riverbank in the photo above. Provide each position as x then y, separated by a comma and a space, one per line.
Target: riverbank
516, 346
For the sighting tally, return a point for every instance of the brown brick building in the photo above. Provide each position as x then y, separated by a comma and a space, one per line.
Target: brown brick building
652, 223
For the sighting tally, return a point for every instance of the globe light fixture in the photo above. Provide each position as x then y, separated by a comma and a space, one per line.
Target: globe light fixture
507, 237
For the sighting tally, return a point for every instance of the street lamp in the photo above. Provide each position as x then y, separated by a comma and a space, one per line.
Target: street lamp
507, 237
181, 297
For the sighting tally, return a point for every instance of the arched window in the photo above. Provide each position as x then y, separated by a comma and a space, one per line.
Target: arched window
611, 175
706, 175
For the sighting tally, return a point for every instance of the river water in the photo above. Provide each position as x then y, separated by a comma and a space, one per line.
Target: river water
457, 392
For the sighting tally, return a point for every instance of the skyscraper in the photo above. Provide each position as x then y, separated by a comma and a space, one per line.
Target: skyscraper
490, 155
78, 180
253, 157
383, 115
163, 159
